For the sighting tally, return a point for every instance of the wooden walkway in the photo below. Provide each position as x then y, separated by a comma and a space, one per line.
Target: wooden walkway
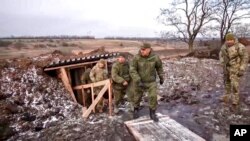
167, 129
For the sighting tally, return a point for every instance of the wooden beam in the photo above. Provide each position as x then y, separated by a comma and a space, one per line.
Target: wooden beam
92, 95
72, 66
110, 99
97, 99
66, 83
96, 84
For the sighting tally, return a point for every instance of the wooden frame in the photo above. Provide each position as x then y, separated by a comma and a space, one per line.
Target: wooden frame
65, 76
106, 86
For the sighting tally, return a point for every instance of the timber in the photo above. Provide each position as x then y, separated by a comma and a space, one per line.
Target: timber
65, 80
97, 99
145, 129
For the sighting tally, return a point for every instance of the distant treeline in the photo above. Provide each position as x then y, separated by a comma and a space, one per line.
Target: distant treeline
50, 37
135, 38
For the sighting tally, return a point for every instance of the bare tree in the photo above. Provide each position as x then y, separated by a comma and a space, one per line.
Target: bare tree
229, 13
187, 17
242, 30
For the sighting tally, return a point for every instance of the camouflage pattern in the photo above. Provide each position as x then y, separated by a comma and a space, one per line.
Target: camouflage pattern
119, 74
143, 70
98, 74
85, 79
234, 60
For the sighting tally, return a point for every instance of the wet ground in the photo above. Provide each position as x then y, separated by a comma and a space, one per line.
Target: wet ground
191, 97
35, 106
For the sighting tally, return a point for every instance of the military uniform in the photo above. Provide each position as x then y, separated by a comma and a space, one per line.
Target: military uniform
234, 60
98, 74
143, 71
85, 79
119, 74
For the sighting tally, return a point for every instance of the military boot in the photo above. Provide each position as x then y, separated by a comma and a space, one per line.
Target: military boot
235, 108
224, 98
153, 115
136, 112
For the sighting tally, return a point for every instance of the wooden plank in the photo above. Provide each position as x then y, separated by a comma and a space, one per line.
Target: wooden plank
144, 129
97, 99
72, 66
92, 94
65, 80
110, 99
96, 84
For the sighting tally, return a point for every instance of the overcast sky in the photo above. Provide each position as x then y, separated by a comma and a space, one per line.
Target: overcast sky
99, 18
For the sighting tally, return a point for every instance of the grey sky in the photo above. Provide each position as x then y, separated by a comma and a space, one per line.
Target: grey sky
98, 18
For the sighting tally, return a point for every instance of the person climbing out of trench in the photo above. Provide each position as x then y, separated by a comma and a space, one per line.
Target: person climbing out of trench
99, 73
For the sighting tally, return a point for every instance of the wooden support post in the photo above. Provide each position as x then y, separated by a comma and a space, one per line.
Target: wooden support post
110, 99
93, 95
65, 80
97, 99
83, 98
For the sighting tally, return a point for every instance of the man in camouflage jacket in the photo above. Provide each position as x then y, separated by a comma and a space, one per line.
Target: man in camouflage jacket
144, 67
121, 78
99, 73
234, 59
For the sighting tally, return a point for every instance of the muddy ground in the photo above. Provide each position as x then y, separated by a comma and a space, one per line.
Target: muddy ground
35, 106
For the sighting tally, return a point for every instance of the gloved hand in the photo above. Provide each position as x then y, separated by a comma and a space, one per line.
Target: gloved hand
240, 73
161, 81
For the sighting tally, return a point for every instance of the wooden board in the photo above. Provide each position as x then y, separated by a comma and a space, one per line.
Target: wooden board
144, 129
97, 99
65, 80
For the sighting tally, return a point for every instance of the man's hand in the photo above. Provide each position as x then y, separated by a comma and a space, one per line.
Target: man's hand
125, 83
161, 81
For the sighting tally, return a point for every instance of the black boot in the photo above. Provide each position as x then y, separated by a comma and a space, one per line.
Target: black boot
136, 112
152, 115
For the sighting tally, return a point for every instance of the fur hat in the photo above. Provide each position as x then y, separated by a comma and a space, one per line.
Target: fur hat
229, 36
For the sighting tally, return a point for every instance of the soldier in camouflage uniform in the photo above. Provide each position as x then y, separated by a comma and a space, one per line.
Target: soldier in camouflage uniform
144, 67
85, 79
234, 58
99, 73
121, 78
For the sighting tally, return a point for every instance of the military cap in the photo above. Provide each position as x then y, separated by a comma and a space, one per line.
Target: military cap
121, 54
102, 61
230, 36
146, 45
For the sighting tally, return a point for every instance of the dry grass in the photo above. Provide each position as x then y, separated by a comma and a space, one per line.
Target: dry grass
31, 48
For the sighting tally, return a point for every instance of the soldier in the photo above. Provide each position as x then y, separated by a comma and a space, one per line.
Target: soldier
85, 79
234, 58
121, 78
99, 73
143, 71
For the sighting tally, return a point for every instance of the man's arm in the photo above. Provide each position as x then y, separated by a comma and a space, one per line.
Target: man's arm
133, 71
92, 75
114, 74
159, 69
243, 56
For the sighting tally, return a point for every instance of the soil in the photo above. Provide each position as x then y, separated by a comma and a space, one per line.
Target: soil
35, 106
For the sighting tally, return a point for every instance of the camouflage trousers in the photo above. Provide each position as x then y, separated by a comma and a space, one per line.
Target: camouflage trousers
231, 84
118, 95
136, 95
